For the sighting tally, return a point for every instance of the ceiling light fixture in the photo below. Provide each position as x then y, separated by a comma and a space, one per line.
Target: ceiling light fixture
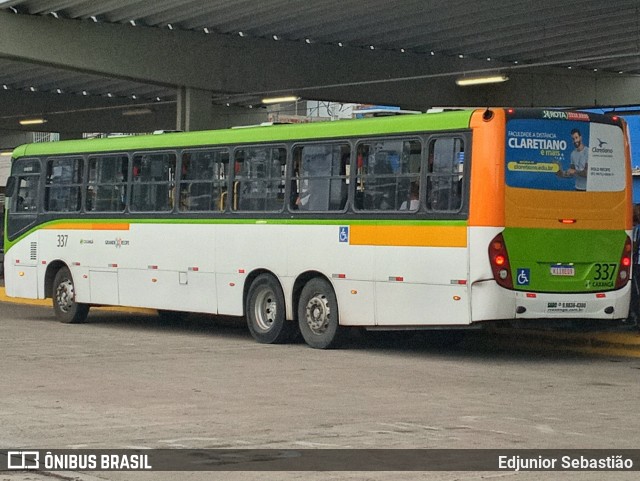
32, 121
491, 79
280, 100
134, 112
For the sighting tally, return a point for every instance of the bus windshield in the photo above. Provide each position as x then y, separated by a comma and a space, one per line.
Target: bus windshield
565, 155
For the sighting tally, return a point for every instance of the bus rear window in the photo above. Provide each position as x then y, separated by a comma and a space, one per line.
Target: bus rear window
564, 155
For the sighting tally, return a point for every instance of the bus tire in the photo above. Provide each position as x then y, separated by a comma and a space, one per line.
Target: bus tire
266, 312
64, 299
318, 315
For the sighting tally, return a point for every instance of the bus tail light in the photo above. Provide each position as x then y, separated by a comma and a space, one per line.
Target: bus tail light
624, 270
500, 262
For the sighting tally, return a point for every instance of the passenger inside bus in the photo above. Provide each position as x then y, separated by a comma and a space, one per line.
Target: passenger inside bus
413, 203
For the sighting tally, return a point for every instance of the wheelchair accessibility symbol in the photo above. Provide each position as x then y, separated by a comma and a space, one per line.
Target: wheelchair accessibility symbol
343, 235
523, 277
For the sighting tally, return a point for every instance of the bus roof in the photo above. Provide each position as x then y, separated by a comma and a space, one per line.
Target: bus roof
276, 133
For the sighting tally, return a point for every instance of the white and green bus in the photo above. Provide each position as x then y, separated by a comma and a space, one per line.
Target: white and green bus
441, 220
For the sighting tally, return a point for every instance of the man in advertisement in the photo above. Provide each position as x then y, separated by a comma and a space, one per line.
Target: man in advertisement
579, 161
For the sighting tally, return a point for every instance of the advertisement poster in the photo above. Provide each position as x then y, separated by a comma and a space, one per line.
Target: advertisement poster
564, 155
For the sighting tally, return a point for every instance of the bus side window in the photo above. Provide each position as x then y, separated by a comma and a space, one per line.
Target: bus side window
153, 182
27, 194
320, 177
204, 180
24, 197
444, 179
107, 183
63, 189
259, 181
388, 175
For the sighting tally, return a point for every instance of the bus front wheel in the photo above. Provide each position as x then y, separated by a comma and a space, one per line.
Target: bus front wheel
318, 315
64, 299
266, 312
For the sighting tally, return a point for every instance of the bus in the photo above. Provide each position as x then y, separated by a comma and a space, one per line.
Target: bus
431, 221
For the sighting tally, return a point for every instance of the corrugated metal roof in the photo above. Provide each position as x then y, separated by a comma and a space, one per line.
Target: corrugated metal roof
579, 34
516, 30
38, 78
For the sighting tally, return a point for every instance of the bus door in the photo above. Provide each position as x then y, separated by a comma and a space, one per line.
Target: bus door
22, 213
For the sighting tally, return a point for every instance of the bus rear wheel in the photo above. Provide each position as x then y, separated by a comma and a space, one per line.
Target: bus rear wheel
266, 312
64, 299
318, 315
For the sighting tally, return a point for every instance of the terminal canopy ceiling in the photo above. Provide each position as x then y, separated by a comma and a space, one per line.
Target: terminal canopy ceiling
94, 59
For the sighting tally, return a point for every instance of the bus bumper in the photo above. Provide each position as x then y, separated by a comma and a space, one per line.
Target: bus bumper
592, 305
508, 304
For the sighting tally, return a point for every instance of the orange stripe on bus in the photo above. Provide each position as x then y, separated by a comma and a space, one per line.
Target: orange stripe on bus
409, 236
87, 226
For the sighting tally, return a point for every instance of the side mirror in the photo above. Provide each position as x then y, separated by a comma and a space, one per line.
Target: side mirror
10, 189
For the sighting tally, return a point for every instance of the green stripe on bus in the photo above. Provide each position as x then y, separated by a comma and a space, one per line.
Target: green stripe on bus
456, 120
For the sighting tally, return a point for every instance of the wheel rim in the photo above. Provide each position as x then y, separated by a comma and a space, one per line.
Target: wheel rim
65, 295
266, 309
318, 314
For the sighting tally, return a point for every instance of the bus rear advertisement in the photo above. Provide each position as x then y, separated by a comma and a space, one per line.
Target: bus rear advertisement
444, 221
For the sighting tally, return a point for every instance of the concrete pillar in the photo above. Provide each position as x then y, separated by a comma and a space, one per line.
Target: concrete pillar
193, 109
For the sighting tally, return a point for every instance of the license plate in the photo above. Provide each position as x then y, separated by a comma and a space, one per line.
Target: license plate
559, 270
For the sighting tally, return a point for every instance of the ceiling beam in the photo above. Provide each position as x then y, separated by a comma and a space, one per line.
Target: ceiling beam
73, 113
